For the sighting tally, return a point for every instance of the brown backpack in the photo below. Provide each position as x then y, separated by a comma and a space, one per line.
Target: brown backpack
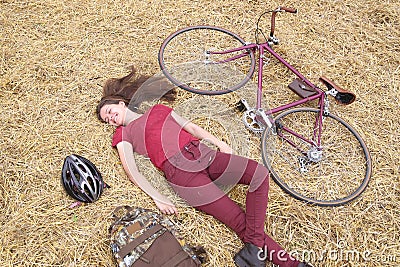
141, 237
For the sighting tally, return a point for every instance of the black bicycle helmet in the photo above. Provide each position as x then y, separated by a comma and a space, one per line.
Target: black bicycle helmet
81, 179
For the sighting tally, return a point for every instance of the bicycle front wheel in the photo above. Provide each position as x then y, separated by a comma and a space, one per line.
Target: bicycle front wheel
331, 175
187, 59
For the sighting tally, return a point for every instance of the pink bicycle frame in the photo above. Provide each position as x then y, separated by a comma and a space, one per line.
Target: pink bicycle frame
262, 48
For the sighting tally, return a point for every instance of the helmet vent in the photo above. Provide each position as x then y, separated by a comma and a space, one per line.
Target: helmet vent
76, 174
82, 167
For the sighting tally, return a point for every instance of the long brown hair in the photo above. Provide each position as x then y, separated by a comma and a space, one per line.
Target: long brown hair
123, 89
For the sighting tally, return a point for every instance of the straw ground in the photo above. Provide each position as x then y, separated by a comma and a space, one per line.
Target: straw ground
54, 58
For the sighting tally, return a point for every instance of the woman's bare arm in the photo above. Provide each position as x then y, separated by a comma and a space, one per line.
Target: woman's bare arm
201, 133
125, 152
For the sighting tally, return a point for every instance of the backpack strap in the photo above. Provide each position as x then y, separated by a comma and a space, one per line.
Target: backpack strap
175, 260
114, 215
125, 250
117, 219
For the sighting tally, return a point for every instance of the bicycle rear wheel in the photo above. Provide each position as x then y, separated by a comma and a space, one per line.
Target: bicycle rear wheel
334, 177
185, 61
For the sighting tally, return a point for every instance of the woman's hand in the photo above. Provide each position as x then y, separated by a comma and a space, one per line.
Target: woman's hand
166, 208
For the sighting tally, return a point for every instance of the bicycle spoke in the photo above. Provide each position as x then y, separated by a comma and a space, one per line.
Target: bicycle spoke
327, 178
185, 59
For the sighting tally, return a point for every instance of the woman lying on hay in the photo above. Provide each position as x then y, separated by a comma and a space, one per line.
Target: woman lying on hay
191, 168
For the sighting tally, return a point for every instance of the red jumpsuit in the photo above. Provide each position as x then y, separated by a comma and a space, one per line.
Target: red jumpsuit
194, 171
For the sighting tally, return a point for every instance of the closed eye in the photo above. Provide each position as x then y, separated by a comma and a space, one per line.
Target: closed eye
106, 119
108, 111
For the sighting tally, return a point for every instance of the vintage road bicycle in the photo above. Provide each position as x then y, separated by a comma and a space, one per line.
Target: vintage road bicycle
312, 154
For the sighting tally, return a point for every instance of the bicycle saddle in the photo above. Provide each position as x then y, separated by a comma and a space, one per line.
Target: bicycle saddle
341, 96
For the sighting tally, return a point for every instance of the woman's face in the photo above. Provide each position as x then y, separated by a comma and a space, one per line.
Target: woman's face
114, 114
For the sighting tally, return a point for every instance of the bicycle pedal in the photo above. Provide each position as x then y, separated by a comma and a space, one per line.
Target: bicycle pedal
242, 105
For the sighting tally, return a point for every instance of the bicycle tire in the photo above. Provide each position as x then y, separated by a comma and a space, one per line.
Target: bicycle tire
182, 58
343, 171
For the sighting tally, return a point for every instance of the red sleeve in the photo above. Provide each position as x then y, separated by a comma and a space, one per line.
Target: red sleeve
117, 137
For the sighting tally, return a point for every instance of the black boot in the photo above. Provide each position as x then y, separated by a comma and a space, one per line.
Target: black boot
250, 256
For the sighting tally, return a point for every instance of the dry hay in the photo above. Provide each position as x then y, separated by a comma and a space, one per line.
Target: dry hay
55, 55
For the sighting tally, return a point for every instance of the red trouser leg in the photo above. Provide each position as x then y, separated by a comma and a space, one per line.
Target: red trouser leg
231, 169
199, 189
